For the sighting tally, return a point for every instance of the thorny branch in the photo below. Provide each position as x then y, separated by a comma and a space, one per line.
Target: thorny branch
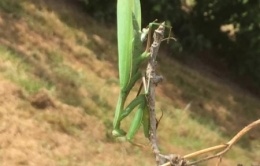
151, 81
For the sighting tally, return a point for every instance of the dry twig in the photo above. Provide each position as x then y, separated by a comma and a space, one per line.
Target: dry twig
226, 147
152, 81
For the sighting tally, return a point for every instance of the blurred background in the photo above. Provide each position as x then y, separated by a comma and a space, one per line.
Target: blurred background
222, 34
59, 81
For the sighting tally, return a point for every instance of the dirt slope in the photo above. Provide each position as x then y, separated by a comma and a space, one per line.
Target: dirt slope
56, 135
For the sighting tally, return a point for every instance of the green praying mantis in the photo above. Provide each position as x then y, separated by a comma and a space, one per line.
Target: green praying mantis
131, 56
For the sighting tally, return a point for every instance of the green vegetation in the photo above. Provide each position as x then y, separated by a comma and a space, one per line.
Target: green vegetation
226, 32
11, 6
16, 70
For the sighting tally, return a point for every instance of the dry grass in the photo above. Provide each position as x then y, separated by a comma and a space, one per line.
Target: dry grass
45, 44
59, 135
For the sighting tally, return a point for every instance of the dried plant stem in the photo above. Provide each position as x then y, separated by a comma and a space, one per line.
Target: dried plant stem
229, 144
152, 81
203, 151
226, 147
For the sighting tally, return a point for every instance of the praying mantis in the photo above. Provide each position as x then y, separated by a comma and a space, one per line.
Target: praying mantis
131, 56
